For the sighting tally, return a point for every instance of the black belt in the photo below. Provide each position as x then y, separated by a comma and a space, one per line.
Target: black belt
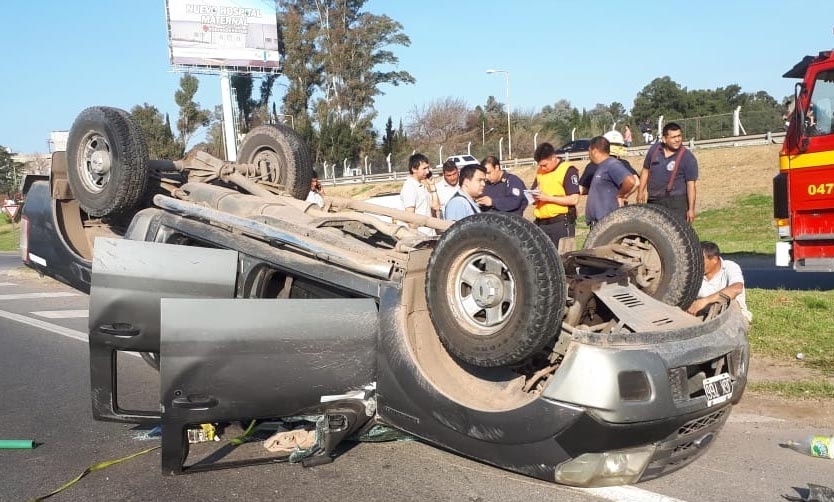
548, 221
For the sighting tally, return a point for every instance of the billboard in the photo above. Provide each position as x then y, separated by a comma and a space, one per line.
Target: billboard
224, 34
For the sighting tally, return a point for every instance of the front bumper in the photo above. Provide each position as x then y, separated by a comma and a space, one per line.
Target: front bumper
673, 413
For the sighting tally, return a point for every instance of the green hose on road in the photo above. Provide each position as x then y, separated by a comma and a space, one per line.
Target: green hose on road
11, 444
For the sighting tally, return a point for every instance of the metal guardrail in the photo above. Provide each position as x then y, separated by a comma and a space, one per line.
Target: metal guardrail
634, 151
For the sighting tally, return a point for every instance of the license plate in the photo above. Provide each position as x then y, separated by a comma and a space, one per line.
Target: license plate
718, 389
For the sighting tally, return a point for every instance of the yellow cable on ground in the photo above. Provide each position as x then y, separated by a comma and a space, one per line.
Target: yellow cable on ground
93, 468
243, 437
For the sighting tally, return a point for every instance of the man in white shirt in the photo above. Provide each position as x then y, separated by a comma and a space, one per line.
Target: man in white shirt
316, 191
722, 281
448, 186
414, 195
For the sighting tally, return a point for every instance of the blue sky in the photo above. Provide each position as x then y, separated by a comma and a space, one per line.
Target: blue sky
61, 57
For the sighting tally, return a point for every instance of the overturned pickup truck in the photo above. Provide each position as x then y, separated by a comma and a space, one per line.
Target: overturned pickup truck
256, 307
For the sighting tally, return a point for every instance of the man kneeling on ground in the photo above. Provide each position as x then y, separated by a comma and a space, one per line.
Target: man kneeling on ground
722, 282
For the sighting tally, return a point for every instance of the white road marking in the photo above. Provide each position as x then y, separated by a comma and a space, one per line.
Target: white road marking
628, 494
61, 314
48, 326
7, 284
28, 296
54, 328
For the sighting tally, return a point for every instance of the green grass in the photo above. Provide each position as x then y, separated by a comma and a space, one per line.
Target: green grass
807, 389
745, 227
786, 323
9, 236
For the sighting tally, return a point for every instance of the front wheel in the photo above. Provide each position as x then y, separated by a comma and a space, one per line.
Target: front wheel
496, 289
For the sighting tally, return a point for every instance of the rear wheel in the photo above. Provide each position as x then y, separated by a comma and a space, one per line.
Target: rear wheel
282, 157
495, 289
106, 161
670, 265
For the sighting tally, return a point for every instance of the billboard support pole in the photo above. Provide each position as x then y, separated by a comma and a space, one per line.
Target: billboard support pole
228, 116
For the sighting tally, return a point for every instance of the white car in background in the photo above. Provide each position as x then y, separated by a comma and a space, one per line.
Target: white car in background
464, 160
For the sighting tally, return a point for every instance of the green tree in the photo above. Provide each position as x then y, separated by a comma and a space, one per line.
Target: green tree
242, 85
389, 139
297, 32
156, 128
215, 142
192, 117
663, 96
10, 173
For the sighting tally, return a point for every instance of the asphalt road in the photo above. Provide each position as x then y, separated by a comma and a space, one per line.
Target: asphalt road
760, 271
44, 384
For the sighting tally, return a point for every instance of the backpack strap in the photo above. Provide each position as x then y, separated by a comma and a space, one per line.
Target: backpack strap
657, 149
675, 169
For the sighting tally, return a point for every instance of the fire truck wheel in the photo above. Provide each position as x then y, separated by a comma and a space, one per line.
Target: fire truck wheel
282, 157
668, 255
494, 300
106, 161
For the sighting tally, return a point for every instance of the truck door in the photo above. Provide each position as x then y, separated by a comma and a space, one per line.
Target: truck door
129, 280
222, 358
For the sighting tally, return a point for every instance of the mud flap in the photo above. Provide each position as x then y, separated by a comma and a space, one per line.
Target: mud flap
243, 359
129, 280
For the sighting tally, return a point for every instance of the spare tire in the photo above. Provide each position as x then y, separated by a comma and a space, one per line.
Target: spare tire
671, 263
495, 289
282, 156
106, 161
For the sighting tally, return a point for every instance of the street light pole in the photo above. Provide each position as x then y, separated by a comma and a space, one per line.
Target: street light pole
509, 133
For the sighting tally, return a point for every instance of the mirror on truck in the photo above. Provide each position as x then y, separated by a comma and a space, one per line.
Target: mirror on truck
800, 117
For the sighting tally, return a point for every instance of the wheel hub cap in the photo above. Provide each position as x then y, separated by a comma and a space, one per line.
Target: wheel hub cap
488, 291
100, 163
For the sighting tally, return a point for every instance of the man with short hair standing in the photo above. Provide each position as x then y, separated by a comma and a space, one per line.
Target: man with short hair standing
462, 204
611, 184
557, 195
504, 191
669, 175
415, 197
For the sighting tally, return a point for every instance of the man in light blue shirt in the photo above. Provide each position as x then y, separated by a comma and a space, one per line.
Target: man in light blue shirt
462, 204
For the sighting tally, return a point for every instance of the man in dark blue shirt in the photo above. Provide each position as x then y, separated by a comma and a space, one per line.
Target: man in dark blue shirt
504, 191
612, 182
669, 175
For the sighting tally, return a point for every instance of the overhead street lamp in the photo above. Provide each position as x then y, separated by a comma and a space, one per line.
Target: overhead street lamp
509, 133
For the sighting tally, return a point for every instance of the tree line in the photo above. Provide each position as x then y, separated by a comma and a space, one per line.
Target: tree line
338, 59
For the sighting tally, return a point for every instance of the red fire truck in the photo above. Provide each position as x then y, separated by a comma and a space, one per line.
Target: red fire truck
803, 191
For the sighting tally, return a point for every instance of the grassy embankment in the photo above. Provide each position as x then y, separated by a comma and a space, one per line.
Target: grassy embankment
9, 235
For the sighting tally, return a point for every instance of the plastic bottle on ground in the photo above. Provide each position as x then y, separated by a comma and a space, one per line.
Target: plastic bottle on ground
813, 446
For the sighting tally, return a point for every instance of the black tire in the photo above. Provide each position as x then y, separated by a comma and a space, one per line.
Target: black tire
106, 161
509, 255
672, 263
282, 155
